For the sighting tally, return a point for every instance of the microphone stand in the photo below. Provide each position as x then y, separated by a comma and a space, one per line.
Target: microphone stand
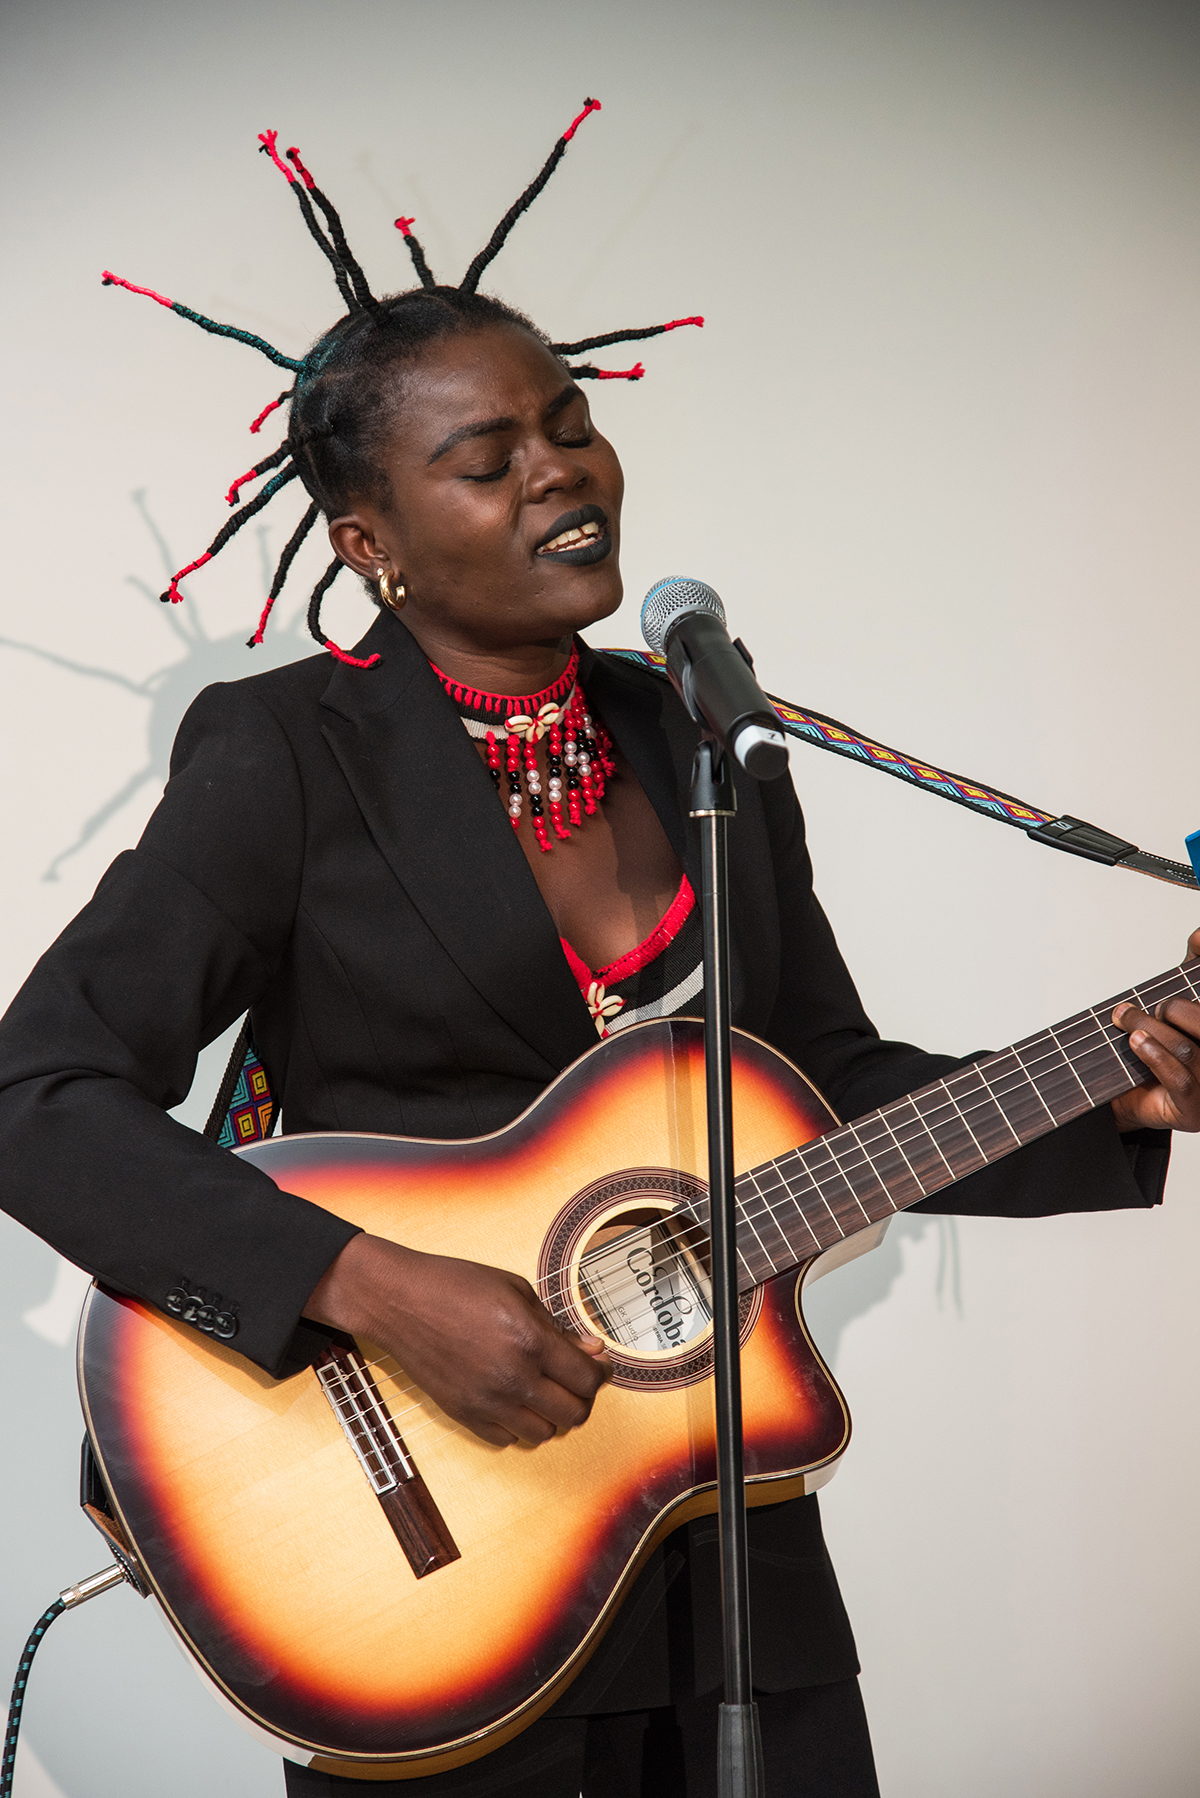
739, 1744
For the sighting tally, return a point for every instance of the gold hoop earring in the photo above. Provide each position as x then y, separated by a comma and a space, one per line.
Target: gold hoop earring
395, 600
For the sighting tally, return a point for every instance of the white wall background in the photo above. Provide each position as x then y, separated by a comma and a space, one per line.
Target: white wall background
939, 448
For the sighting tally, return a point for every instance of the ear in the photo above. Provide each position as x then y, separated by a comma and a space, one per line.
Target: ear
357, 540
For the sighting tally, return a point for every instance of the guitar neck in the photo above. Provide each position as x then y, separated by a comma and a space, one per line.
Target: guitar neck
814, 1197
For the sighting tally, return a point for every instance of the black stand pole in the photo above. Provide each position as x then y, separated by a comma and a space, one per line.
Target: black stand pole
739, 1751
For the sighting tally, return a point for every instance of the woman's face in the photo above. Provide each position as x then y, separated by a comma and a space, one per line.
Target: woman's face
504, 526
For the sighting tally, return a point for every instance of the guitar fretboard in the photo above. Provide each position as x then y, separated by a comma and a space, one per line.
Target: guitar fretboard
814, 1197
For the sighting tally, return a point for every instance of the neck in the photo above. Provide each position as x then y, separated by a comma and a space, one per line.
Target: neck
814, 1197
524, 668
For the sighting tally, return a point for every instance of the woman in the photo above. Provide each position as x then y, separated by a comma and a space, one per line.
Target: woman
336, 852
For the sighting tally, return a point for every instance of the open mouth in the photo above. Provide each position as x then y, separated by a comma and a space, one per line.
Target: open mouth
577, 538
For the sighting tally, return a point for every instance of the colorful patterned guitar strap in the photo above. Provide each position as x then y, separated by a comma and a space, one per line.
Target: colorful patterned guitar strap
1060, 832
244, 1111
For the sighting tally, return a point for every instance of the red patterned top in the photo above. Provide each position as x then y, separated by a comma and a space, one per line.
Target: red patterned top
658, 978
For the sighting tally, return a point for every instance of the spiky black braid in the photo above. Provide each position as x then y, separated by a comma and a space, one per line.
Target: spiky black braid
337, 429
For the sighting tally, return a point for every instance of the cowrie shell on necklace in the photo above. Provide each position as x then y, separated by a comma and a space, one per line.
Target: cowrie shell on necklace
520, 724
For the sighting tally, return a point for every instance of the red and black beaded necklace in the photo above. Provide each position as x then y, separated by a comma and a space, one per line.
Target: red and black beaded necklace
579, 751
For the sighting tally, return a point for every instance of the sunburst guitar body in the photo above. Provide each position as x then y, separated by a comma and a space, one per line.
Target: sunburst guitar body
371, 1588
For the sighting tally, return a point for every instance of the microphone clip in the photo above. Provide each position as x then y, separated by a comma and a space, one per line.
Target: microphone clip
713, 794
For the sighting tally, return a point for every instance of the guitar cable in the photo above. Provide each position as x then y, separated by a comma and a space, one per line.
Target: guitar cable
66, 1601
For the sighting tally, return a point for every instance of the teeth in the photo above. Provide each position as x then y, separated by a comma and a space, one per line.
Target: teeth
569, 539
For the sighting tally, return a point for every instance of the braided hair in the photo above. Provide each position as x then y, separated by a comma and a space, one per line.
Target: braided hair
336, 426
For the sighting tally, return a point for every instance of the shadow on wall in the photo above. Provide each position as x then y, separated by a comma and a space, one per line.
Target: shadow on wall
170, 690
834, 1302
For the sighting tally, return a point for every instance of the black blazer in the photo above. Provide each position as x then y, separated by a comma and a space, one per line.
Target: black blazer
329, 852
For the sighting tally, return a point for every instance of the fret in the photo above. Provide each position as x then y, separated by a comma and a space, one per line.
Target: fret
894, 1157
748, 1274
889, 1161
1148, 996
850, 1160
1177, 984
949, 1117
1105, 1049
750, 1245
756, 1270
770, 1188
804, 1229
1074, 1071
788, 1203
1016, 1100
1034, 1087
836, 1187
833, 1209
755, 1265
830, 1184
963, 1118
1063, 1092
1112, 1046
929, 1171
934, 1112
766, 1186
1086, 1033
853, 1160
989, 1124
1002, 1083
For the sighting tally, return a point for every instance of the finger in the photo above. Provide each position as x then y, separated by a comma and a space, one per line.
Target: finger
1183, 1013
596, 1347
486, 1429
559, 1407
1193, 945
529, 1426
565, 1363
505, 1418
587, 1340
1173, 1101
1151, 1027
1162, 1060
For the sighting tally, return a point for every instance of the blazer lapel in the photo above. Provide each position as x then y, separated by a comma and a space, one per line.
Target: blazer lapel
433, 813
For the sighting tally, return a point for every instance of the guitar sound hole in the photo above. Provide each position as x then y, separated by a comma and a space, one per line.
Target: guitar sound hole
586, 1272
644, 1282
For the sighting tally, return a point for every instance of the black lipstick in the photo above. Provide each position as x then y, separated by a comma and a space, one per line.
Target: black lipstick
582, 553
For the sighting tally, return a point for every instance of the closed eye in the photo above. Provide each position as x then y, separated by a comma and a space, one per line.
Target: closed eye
497, 474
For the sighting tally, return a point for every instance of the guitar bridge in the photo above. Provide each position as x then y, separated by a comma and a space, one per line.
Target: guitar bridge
370, 1429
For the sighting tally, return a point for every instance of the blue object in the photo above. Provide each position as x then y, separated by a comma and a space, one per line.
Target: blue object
1193, 849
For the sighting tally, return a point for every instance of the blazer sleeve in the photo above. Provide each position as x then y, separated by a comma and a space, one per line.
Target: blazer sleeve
182, 935
819, 1022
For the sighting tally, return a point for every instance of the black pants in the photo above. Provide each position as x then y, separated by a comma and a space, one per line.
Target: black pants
815, 1744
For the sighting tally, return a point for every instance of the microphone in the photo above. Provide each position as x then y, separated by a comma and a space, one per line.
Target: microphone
685, 621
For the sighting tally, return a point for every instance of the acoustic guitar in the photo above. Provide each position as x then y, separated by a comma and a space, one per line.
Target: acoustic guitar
377, 1592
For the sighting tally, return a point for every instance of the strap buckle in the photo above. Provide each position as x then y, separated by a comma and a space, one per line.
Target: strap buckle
1078, 837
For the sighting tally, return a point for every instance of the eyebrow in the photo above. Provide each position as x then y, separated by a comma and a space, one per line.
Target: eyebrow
489, 427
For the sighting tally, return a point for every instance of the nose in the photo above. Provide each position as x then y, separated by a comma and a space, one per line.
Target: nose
555, 469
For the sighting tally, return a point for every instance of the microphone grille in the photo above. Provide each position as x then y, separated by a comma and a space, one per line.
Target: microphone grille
674, 598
